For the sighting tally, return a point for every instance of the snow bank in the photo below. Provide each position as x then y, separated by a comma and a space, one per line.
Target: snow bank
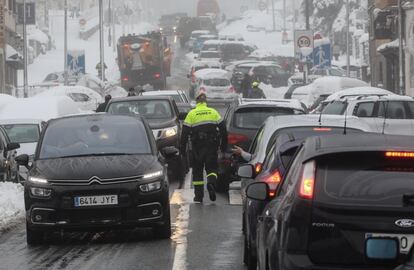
11, 205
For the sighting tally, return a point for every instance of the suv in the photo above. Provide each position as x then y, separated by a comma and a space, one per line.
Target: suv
389, 114
94, 172
341, 201
266, 72
163, 118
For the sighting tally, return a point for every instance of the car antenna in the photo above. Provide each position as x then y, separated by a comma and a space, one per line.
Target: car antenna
346, 116
320, 114
385, 117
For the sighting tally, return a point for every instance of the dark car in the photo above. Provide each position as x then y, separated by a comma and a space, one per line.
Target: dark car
271, 74
281, 152
343, 199
8, 166
163, 117
243, 121
234, 51
95, 172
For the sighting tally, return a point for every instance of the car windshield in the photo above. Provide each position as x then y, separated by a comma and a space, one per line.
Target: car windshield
149, 109
23, 133
217, 82
210, 55
95, 135
364, 178
253, 118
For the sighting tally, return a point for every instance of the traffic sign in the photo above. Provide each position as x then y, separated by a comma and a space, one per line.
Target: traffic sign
322, 53
30, 13
303, 44
76, 62
262, 6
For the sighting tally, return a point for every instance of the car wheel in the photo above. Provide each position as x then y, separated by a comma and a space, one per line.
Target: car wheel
163, 231
33, 237
245, 251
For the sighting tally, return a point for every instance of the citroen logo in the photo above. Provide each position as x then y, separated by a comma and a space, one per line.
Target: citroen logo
95, 180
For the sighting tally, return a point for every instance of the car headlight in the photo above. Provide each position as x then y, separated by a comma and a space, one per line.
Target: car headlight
150, 186
169, 132
161, 29
152, 175
40, 192
37, 180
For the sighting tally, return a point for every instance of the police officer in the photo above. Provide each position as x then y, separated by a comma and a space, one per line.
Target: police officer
256, 92
208, 132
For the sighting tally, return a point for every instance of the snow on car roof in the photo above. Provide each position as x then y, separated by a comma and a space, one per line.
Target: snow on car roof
214, 42
257, 64
64, 90
201, 32
162, 93
330, 85
209, 73
15, 121
285, 103
44, 108
358, 91
207, 63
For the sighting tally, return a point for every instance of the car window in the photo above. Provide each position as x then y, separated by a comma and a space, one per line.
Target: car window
319, 72
410, 105
79, 97
253, 118
52, 77
293, 173
94, 136
253, 148
270, 158
364, 109
364, 178
335, 108
149, 109
394, 110
22, 133
334, 72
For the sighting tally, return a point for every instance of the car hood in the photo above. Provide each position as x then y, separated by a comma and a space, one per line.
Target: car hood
161, 123
104, 167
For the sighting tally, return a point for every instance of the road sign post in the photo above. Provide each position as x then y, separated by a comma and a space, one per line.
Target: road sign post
322, 53
304, 43
76, 62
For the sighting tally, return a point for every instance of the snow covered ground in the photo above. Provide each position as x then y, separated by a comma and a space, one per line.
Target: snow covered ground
263, 39
11, 205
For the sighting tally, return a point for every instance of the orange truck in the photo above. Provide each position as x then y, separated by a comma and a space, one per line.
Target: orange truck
144, 59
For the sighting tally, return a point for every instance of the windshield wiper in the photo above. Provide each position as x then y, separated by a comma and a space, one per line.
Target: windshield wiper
97, 155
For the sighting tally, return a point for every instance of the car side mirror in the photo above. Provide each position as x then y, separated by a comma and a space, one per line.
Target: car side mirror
258, 191
22, 160
13, 146
382, 249
170, 152
182, 115
246, 171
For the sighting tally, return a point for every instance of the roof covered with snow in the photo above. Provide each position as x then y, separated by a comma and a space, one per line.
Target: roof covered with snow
209, 73
358, 91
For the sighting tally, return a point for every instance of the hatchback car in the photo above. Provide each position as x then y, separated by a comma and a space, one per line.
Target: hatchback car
243, 121
214, 82
341, 199
96, 172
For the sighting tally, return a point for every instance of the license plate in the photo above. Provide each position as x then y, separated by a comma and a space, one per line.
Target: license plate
96, 200
406, 240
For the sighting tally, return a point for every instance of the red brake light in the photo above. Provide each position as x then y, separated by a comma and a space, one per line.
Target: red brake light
232, 90
233, 138
258, 167
307, 185
273, 181
157, 75
322, 129
125, 79
400, 154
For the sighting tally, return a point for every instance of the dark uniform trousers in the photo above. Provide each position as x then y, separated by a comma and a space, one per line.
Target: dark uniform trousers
204, 158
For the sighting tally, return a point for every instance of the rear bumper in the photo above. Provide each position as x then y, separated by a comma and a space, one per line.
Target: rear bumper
303, 262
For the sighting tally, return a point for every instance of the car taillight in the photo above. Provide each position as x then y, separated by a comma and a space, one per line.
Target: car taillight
273, 181
233, 138
307, 185
322, 129
399, 154
125, 79
258, 167
232, 90
157, 75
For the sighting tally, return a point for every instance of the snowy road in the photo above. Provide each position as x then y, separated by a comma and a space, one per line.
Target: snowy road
205, 236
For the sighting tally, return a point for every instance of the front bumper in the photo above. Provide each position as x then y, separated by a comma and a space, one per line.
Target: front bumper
134, 208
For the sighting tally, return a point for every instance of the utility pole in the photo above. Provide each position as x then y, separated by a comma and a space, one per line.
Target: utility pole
400, 49
348, 57
25, 75
273, 15
113, 29
65, 53
101, 40
284, 15
307, 15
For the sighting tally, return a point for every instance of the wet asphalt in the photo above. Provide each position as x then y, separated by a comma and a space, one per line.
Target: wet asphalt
205, 236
